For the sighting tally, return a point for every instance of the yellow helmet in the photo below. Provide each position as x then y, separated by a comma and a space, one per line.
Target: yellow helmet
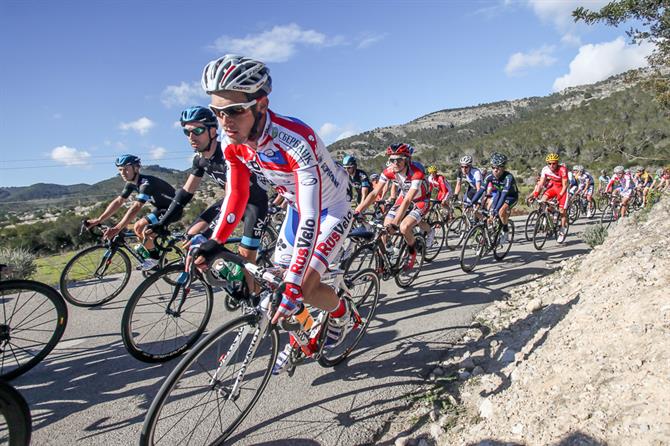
432, 169
551, 157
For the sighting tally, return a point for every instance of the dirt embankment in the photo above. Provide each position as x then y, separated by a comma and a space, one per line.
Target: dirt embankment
579, 357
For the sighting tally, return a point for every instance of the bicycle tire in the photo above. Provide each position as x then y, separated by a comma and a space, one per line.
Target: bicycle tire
440, 238
42, 331
70, 287
366, 306
193, 376
16, 424
148, 303
499, 254
608, 216
362, 258
573, 212
530, 225
475, 241
178, 258
400, 279
456, 232
541, 231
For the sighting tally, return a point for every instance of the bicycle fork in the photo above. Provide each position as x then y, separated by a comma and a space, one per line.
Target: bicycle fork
232, 392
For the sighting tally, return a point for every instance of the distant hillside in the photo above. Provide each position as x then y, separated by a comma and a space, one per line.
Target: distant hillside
607, 123
42, 195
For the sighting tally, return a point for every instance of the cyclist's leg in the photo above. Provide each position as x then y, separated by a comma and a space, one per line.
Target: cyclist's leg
254, 219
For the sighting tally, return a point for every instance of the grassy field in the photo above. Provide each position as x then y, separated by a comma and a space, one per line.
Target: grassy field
49, 268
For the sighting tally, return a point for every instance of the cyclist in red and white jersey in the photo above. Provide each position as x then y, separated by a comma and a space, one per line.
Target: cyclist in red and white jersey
414, 195
557, 177
621, 183
292, 157
438, 182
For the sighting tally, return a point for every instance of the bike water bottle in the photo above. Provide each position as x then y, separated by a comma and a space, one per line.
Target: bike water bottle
142, 251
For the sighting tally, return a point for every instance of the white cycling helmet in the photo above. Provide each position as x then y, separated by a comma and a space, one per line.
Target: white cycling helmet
618, 169
466, 160
237, 73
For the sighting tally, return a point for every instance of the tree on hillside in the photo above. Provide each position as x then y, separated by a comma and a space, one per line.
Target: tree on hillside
655, 18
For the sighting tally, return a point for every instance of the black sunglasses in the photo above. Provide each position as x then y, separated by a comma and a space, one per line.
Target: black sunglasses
197, 131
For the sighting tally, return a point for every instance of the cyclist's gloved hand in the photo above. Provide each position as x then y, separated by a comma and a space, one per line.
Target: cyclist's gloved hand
290, 302
206, 252
156, 228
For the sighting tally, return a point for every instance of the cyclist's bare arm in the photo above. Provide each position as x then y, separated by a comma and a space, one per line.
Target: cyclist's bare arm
112, 207
370, 198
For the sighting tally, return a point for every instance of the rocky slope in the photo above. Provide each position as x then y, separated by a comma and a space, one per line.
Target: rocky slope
579, 357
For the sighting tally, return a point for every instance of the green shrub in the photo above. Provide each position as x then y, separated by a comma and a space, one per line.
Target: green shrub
21, 263
595, 235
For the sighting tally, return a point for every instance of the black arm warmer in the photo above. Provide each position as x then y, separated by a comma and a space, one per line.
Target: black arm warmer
180, 200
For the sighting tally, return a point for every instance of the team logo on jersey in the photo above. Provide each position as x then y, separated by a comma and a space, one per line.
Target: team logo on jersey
304, 243
230, 218
289, 140
274, 132
309, 181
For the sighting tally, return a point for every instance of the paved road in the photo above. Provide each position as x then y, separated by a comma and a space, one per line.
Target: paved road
89, 391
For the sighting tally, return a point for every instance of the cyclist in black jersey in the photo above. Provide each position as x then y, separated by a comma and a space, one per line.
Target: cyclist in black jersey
501, 185
359, 179
200, 126
149, 189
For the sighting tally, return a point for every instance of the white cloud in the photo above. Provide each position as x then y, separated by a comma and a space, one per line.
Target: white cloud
519, 61
176, 124
369, 39
571, 39
277, 45
332, 132
596, 62
559, 12
182, 94
141, 126
70, 156
158, 153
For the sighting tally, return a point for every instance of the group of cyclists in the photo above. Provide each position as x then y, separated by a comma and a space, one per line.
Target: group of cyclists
262, 159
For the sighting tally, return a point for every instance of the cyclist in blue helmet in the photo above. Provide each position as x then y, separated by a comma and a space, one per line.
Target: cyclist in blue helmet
359, 178
200, 126
148, 189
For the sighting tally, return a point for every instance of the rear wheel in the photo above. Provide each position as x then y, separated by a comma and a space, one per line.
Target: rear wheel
364, 288
440, 236
95, 276
609, 215
456, 232
157, 327
362, 258
501, 249
15, 420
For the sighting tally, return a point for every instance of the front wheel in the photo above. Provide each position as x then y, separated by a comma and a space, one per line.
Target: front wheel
609, 215
439, 238
95, 276
364, 296
573, 212
215, 386
505, 241
161, 320
541, 231
473, 249
407, 273
530, 225
33, 320
15, 420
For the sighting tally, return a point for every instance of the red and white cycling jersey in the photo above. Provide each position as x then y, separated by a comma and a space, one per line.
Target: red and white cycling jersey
292, 157
555, 179
624, 183
442, 185
415, 178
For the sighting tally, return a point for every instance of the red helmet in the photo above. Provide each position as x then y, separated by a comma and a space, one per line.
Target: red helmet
399, 149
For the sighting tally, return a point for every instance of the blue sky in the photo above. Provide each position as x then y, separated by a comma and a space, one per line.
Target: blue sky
84, 81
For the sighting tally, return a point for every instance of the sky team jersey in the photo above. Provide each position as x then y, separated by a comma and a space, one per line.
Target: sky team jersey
359, 180
216, 168
152, 189
555, 178
292, 157
415, 178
